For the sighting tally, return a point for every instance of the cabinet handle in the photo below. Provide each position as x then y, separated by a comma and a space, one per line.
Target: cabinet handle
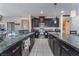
15, 49
65, 48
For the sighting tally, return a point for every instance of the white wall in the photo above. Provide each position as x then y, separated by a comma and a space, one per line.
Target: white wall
75, 24
14, 19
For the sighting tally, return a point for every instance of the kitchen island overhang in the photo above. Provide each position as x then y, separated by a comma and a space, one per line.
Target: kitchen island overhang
9, 43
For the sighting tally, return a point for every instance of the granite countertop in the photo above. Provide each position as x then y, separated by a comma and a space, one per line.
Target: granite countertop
10, 41
71, 40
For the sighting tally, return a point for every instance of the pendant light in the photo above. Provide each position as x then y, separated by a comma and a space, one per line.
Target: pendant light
55, 4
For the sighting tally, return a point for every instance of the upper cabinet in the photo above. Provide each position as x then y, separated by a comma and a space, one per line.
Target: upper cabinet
41, 19
49, 22
54, 22
35, 22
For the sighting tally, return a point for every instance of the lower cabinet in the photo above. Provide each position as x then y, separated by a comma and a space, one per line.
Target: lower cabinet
56, 48
32, 41
68, 51
54, 45
64, 51
21, 48
51, 44
59, 48
27, 45
49, 41
13, 51
73, 53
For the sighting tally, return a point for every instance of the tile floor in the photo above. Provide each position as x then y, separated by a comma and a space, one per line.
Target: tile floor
41, 48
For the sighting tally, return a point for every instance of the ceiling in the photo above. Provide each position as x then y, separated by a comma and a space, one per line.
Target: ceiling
24, 9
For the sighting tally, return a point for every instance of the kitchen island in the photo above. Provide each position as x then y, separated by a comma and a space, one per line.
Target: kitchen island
64, 45
12, 46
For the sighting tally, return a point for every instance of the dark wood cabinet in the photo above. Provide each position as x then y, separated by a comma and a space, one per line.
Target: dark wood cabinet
54, 45
74, 53
35, 22
42, 19
48, 22
50, 39
54, 22
68, 51
32, 41
15, 50
56, 48
59, 48
64, 51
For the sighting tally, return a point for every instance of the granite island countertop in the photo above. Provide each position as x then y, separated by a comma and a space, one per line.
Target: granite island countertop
71, 40
10, 41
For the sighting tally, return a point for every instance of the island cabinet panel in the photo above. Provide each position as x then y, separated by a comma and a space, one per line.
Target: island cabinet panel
73, 53
14, 50
16, 47
64, 51
49, 41
60, 47
32, 41
56, 48
68, 51
54, 45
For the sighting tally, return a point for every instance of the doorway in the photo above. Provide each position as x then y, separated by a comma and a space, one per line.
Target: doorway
66, 24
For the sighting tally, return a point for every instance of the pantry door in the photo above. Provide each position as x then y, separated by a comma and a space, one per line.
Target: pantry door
66, 25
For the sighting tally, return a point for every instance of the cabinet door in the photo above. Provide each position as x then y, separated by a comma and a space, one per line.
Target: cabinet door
17, 51
64, 51
52, 44
66, 24
32, 41
35, 22
56, 48
67, 50
13, 51
49, 40
74, 53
